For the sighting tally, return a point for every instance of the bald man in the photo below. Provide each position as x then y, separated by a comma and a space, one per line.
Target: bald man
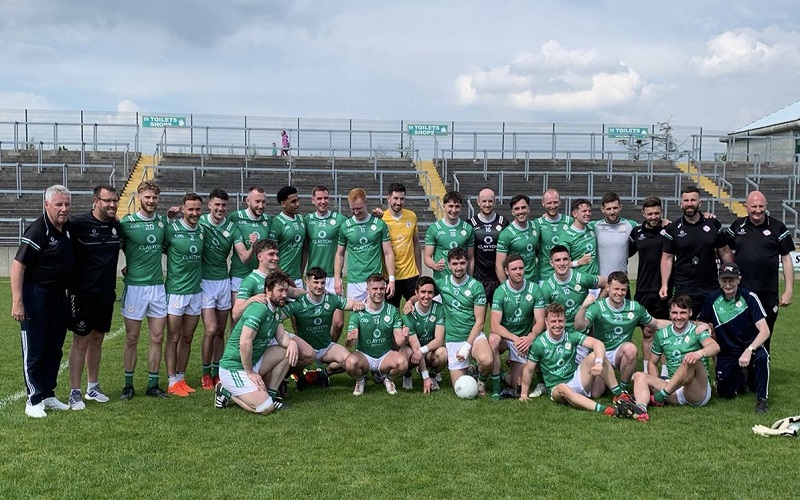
760, 242
487, 225
552, 230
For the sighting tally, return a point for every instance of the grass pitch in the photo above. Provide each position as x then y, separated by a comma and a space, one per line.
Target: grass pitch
334, 445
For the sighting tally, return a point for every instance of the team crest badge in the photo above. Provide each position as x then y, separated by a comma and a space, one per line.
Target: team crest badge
373, 227
529, 297
326, 306
766, 232
225, 234
463, 232
706, 228
432, 319
160, 224
498, 227
686, 339
567, 346
467, 293
333, 222
577, 288
630, 315
738, 303
114, 231
386, 319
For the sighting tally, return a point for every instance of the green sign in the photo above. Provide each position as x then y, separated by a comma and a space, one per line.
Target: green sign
163, 121
427, 130
625, 132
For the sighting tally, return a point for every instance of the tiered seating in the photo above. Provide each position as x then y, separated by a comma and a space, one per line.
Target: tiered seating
24, 200
631, 180
179, 173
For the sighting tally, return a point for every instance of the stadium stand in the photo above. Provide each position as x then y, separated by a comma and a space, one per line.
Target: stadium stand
179, 173
25, 174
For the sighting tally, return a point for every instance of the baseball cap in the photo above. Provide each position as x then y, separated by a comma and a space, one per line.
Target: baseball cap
729, 270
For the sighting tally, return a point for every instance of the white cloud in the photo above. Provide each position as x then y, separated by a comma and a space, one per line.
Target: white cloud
555, 78
748, 51
23, 100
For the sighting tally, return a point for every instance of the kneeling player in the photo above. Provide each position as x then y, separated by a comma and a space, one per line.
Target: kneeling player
517, 319
313, 313
464, 300
567, 381
425, 325
375, 328
613, 320
686, 351
250, 357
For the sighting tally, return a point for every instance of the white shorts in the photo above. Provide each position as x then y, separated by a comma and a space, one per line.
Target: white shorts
237, 382
682, 398
611, 355
453, 363
320, 353
178, 305
235, 284
215, 294
357, 291
513, 354
329, 286
374, 363
576, 385
141, 301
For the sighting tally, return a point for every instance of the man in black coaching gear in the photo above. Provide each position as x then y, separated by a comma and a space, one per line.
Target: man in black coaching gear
760, 243
40, 273
647, 241
690, 251
487, 225
96, 241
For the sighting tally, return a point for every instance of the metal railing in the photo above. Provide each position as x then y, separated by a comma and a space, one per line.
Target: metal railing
381, 176
646, 158
65, 168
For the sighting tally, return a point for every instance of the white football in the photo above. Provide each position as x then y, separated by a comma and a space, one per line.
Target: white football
466, 387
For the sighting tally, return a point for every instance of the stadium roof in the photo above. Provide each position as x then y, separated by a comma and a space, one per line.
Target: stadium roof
785, 115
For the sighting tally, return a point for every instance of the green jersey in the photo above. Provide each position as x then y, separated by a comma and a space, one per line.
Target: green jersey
217, 244
364, 242
423, 325
184, 258
459, 300
674, 346
581, 242
322, 235
443, 237
375, 329
143, 244
570, 293
551, 233
556, 358
264, 320
314, 319
615, 326
290, 233
245, 226
517, 306
524, 242
251, 285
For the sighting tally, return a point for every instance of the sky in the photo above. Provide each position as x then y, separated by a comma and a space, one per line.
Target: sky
715, 64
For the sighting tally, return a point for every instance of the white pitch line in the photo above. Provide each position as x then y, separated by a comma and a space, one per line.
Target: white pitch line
21, 394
